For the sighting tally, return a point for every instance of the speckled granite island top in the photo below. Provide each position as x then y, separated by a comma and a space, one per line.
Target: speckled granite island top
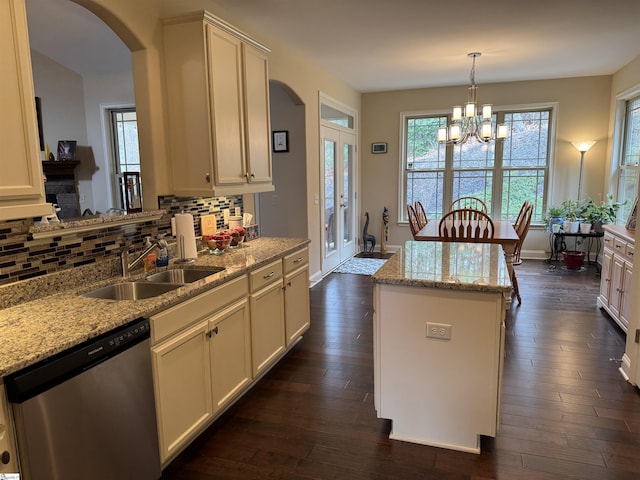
34, 330
456, 266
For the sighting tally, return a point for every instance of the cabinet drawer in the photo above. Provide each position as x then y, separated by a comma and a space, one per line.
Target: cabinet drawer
629, 251
608, 240
619, 245
182, 315
296, 260
265, 275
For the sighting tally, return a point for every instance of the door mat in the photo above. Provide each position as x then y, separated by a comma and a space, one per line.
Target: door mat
361, 266
386, 256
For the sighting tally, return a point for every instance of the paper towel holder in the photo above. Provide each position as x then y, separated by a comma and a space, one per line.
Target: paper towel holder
181, 251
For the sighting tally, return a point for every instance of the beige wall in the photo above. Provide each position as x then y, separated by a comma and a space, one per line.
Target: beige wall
582, 113
138, 25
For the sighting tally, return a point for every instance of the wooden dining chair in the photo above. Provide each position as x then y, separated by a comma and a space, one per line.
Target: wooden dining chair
465, 224
469, 202
413, 220
521, 226
421, 214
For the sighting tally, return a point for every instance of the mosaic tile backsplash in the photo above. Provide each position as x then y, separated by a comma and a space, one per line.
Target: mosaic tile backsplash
22, 257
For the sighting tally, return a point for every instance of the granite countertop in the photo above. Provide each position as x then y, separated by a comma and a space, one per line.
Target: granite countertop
34, 330
455, 266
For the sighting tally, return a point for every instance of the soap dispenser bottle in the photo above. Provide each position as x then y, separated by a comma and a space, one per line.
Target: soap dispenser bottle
163, 253
150, 259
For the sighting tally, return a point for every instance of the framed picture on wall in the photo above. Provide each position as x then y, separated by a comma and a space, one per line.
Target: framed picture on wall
631, 221
281, 141
66, 150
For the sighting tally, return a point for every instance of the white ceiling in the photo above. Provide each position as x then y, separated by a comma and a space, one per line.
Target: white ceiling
376, 45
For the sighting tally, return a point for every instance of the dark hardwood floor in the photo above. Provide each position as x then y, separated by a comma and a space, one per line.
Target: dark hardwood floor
566, 411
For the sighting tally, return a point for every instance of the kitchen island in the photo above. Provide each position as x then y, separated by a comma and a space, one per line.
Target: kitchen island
439, 342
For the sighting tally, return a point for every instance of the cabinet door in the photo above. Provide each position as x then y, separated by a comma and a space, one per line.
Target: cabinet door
296, 303
267, 326
258, 136
8, 451
605, 276
21, 185
230, 352
615, 294
625, 300
182, 377
226, 106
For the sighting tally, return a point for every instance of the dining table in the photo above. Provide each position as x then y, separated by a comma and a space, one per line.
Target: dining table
503, 234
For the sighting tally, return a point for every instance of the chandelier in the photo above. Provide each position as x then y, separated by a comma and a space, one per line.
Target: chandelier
468, 121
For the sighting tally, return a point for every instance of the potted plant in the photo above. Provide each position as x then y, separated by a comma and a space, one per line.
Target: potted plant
571, 212
554, 216
601, 214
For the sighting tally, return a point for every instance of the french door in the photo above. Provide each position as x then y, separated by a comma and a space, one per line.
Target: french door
339, 196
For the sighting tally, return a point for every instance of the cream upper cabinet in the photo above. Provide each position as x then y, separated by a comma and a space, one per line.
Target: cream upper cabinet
21, 184
218, 104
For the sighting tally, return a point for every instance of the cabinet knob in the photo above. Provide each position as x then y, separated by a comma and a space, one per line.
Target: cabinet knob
253, 175
207, 177
5, 457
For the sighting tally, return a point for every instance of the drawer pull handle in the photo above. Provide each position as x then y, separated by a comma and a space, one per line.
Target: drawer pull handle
630, 254
297, 260
269, 276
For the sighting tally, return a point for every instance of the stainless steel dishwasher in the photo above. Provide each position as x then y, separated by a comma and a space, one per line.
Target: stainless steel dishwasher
89, 412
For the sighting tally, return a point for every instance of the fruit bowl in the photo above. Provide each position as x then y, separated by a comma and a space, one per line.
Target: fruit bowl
218, 243
237, 236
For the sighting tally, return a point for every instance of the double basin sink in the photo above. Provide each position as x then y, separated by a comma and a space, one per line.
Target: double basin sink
153, 285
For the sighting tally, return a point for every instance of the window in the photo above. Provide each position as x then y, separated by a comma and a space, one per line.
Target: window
126, 159
630, 155
502, 174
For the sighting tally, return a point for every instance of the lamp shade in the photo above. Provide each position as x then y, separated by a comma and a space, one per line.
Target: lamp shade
584, 145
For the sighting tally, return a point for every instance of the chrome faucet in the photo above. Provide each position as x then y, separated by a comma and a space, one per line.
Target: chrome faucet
124, 256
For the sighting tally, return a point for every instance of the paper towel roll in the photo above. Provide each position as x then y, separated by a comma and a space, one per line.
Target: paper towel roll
186, 236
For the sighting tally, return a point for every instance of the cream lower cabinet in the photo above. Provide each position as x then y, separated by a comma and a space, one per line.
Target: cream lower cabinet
184, 400
8, 450
296, 294
21, 185
230, 353
267, 316
201, 362
616, 274
218, 101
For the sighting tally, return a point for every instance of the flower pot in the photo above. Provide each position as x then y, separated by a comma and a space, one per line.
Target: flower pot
570, 227
585, 228
597, 227
573, 260
555, 221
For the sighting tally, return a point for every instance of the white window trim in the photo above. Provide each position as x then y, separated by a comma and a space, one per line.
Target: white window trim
619, 125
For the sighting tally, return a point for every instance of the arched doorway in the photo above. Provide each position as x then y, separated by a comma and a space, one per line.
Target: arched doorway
283, 212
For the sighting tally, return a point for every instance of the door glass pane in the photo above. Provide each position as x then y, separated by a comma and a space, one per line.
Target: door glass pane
329, 195
347, 192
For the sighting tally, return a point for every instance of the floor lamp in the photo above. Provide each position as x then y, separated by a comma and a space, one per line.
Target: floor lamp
582, 147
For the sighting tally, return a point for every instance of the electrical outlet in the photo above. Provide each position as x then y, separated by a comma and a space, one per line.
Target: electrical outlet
439, 330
